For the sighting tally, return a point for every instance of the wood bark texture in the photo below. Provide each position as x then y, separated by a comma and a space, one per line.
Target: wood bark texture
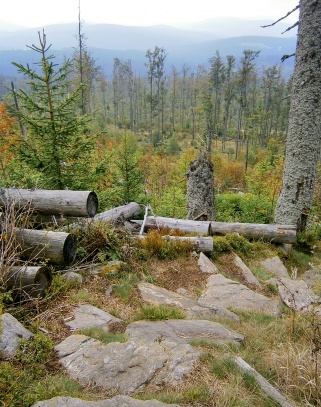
124, 211
31, 280
274, 233
52, 202
55, 247
303, 138
185, 225
200, 189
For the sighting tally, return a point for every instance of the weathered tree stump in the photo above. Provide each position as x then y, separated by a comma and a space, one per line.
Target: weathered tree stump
52, 202
200, 189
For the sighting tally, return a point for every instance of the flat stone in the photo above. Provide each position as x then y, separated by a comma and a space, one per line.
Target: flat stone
117, 401
206, 265
275, 266
296, 294
72, 277
312, 277
229, 293
160, 296
246, 272
88, 316
183, 331
125, 367
11, 332
108, 268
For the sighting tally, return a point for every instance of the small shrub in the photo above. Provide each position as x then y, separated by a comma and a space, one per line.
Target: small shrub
159, 313
239, 243
39, 349
221, 244
125, 286
157, 246
97, 241
82, 295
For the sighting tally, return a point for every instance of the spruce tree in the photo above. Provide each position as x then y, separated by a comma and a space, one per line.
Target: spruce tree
58, 146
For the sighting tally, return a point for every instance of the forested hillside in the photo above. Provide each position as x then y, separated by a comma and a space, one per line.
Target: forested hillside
133, 137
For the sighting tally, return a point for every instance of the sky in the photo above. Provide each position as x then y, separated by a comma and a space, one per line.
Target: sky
39, 13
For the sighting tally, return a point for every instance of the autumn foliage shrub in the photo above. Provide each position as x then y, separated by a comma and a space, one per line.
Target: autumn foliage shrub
156, 245
228, 173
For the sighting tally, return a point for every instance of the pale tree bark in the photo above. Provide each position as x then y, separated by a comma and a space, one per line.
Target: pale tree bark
304, 138
200, 189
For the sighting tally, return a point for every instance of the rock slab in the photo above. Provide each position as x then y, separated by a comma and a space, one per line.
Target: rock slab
117, 401
229, 293
194, 309
275, 267
206, 265
88, 316
11, 332
125, 367
296, 294
183, 331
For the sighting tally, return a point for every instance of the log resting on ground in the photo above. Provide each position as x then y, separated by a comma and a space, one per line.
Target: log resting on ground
124, 211
31, 280
56, 247
265, 386
185, 225
275, 233
200, 244
51, 202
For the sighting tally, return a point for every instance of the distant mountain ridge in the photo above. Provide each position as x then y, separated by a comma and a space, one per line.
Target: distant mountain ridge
193, 44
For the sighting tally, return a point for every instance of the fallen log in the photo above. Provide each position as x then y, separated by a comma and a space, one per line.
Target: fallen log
271, 391
275, 233
55, 247
30, 280
52, 202
200, 244
124, 211
185, 225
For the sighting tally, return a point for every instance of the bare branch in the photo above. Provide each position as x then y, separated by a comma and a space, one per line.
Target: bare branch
282, 18
290, 28
286, 57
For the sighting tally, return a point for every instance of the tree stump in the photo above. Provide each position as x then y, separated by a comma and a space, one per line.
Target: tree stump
200, 189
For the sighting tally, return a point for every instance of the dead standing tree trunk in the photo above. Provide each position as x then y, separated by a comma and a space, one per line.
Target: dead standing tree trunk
200, 189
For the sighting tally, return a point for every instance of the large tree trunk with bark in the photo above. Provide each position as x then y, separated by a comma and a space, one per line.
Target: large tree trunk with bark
56, 247
52, 202
200, 189
304, 131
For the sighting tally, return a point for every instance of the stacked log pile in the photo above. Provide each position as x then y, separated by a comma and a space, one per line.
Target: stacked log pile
58, 248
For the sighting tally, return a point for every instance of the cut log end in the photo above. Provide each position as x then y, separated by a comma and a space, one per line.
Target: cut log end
92, 204
69, 249
33, 281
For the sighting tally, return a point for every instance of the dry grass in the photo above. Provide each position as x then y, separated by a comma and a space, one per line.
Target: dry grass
283, 356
